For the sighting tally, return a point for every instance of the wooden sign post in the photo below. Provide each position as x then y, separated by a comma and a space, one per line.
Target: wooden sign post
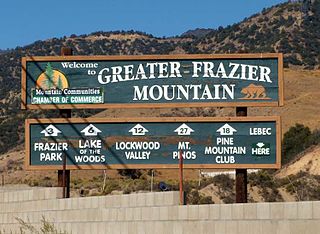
64, 175
241, 174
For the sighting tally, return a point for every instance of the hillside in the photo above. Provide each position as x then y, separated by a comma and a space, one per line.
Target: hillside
292, 28
197, 33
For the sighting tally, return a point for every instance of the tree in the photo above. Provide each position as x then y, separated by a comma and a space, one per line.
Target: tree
295, 140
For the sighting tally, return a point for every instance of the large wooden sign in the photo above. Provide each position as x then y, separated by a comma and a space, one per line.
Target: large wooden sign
251, 142
68, 82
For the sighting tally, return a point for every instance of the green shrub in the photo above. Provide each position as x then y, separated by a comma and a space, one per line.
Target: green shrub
262, 178
130, 173
271, 195
205, 200
295, 140
228, 200
111, 185
224, 181
195, 198
206, 181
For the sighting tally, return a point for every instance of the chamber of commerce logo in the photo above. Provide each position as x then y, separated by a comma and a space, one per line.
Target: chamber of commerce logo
254, 92
51, 79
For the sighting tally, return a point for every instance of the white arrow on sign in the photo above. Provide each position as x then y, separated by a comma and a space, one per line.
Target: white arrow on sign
51, 131
91, 130
226, 130
138, 130
260, 144
184, 130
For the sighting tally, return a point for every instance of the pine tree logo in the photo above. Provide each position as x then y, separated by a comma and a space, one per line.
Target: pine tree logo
52, 79
48, 82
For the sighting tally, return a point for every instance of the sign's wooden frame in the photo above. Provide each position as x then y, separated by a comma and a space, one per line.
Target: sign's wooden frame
277, 165
24, 93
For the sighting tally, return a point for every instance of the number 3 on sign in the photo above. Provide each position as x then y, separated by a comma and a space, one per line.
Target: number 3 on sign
50, 131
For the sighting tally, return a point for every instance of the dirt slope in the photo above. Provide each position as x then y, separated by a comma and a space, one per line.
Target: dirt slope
309, 162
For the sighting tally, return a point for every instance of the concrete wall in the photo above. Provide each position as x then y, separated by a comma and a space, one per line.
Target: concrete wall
154, 213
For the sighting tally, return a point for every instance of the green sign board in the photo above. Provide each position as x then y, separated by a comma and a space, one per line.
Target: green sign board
152, 81
252, 142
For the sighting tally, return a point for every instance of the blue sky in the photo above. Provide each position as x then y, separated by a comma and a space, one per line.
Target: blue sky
23, 22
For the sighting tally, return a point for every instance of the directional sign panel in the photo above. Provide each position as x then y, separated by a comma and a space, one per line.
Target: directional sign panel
70, 82
248, 142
